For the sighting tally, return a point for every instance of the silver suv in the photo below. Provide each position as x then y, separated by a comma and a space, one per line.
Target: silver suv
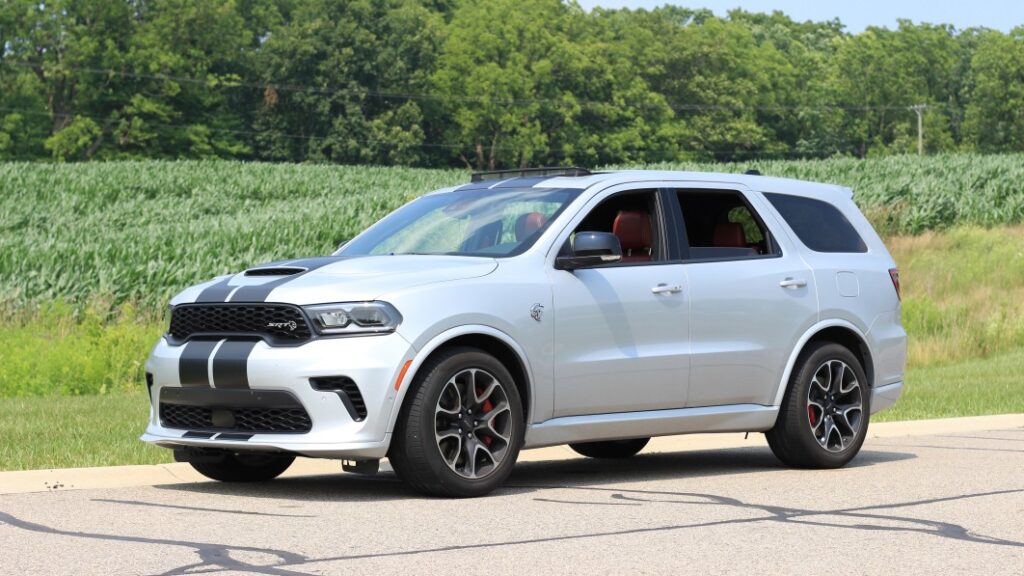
542, 307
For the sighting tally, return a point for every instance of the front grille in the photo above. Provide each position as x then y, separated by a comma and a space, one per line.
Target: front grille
254, 411
347, 390
279, 324
235, 420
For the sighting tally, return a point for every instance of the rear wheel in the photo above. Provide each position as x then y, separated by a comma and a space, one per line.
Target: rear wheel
460, 432
824, 415
611, 448
252, 467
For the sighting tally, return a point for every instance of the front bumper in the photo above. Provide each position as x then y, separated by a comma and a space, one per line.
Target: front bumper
373, 362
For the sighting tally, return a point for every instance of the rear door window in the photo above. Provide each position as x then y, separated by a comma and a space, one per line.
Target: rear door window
819, 225
720, 225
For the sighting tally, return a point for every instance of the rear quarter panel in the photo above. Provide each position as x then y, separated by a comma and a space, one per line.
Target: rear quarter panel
856, 287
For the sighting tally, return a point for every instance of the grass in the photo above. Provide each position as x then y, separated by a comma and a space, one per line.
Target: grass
963, 292
58, 351
970, 388
69, 432
75, 431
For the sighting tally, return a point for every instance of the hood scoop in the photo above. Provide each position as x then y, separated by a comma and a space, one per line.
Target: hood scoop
275, 271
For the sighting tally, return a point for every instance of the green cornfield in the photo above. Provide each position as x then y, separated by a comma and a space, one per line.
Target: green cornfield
138, 232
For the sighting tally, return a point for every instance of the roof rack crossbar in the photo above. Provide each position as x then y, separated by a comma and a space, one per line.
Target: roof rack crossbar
522, 172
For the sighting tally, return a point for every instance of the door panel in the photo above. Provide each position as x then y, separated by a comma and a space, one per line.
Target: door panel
748, 307
744, 326
621, 340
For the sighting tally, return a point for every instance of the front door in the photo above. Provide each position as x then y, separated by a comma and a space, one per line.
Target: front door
621, 331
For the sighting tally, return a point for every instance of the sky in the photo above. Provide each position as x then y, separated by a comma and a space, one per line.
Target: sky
859, 14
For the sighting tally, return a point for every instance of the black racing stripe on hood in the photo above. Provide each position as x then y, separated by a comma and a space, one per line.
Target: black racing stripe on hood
230, 364
220, 291
193, 364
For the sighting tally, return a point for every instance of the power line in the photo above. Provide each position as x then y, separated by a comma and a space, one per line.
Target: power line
554, 152
184, 126
414, 96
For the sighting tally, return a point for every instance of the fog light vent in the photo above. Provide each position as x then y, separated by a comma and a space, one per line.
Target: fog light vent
347, 390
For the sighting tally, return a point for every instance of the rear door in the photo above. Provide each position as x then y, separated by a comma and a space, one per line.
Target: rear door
751, 295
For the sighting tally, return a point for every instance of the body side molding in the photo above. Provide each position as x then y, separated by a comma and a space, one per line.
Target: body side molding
622, 425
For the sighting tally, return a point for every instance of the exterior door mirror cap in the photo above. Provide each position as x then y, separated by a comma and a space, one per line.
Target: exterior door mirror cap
589, 249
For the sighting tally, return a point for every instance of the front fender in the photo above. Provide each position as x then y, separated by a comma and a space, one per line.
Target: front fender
435, 342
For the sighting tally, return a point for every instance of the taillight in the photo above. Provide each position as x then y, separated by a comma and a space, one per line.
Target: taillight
894, 273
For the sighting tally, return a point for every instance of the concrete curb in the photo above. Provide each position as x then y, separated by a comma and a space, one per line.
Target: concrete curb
24, 481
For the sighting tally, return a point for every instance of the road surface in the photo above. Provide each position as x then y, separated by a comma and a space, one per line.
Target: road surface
949, 503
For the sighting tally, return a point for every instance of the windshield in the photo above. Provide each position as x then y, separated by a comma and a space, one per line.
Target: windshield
488, 222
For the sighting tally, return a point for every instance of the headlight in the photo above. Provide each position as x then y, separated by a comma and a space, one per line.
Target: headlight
354, 318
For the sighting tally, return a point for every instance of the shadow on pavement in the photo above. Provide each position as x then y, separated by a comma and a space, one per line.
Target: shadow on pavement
531, 476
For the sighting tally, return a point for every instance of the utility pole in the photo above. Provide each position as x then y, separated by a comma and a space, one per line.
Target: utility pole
920, 108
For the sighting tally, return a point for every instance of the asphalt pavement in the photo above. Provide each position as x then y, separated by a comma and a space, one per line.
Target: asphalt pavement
949, 501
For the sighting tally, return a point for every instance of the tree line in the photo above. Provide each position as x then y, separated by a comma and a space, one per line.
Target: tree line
488, 83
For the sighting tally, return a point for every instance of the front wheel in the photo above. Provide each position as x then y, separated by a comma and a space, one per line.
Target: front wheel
460, 432
824, 415
252, 467
610, 448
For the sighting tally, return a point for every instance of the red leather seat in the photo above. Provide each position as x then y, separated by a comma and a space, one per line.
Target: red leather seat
633, 228
529, 223
729, 235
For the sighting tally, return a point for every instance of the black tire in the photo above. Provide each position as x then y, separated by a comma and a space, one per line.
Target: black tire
796, 438
611, 448
416, 451
251, 467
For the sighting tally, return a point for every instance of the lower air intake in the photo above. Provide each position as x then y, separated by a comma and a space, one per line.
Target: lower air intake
254, 411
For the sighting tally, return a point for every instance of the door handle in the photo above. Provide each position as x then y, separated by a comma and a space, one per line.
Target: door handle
666, 289
791, 282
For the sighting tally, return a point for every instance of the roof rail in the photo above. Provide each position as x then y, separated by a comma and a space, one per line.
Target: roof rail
519, 172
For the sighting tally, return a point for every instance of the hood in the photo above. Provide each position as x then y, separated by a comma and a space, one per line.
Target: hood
335, 279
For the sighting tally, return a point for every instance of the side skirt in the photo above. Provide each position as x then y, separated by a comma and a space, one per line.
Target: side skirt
621, 425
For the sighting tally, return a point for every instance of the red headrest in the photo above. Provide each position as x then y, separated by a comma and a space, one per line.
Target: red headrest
633, 229
730, 235
529, 223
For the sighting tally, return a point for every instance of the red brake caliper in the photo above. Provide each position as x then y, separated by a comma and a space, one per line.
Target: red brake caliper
487, 408
811, 416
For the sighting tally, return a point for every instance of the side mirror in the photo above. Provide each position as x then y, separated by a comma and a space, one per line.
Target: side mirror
591, 249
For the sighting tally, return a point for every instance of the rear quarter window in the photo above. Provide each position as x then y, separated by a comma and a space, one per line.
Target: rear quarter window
819, 225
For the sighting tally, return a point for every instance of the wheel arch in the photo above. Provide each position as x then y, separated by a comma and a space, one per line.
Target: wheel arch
486, 338
838, 331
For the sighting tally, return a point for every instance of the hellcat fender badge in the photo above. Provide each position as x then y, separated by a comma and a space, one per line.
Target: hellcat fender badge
536, 312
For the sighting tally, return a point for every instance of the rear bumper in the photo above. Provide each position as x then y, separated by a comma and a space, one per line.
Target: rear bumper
371, 362
883, 397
